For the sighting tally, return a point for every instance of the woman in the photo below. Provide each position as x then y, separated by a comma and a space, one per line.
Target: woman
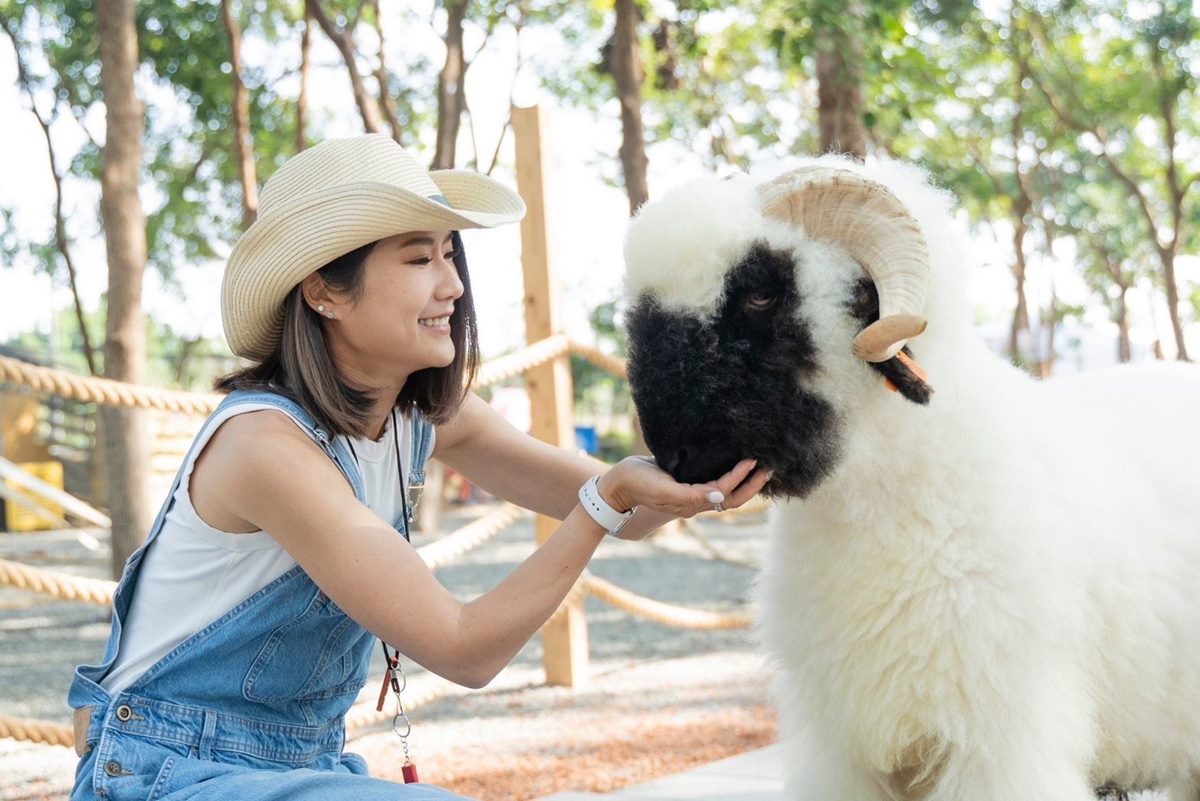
244, 627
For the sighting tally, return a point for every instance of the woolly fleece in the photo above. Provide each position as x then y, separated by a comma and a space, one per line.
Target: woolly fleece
989, 598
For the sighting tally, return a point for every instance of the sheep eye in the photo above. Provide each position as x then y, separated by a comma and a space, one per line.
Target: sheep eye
759, 301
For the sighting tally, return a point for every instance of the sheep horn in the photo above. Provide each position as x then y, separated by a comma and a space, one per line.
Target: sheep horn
876, 229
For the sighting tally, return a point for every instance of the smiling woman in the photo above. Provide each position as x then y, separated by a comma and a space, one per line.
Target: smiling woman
389, 284
243, 629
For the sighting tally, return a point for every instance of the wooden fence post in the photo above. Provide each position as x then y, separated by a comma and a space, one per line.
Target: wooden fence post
564, 642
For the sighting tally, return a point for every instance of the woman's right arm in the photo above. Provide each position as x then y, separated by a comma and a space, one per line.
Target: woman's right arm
260, 468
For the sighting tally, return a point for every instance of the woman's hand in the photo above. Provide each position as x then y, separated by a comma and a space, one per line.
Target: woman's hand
639, 481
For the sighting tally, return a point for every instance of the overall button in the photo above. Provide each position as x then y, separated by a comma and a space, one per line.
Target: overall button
114, 769
124, 713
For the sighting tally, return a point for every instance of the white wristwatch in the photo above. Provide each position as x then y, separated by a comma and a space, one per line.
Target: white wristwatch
598, 509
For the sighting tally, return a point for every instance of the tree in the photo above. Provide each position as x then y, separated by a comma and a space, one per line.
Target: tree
342, 35
1129, 98
126, 440
451, 97
839, 37
62, 243
625, 64
243, 141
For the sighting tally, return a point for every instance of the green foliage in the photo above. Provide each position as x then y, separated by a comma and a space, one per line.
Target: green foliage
172, 360
1021, 109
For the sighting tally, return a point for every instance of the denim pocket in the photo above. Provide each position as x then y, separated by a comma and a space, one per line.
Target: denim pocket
158, 788
314, 655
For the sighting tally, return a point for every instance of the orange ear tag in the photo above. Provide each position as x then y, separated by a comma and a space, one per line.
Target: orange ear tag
908, 362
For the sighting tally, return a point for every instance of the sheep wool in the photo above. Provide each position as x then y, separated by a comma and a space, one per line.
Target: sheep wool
979, 587
711, 223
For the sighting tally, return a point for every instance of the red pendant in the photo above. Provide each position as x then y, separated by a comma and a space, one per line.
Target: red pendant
409, 772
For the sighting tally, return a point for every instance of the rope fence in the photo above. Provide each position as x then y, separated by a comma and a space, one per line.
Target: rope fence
36, 731
103, 391
443, 551
513, 364
107, 392
62, 586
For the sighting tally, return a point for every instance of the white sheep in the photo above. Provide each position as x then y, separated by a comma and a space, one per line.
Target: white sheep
987, 592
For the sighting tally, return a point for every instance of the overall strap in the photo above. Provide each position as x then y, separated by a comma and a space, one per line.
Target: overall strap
334, 447
422, 447
85, 689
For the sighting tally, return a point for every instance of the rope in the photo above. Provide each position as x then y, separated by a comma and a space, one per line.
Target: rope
36, 731
60, 585
521, 361
104, 391
98, 591
470, 536
611, 364
108, 392
680, 617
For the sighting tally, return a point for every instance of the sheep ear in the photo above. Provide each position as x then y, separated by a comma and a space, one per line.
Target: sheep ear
873, 226
902, 374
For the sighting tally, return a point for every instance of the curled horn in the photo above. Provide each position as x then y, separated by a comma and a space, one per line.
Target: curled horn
875, 228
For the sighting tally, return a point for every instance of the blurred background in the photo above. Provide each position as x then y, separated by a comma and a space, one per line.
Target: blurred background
1067, 130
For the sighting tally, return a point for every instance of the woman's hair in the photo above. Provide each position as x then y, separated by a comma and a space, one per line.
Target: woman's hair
301, 368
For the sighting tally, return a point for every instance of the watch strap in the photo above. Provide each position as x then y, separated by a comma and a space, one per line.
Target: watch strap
598, 509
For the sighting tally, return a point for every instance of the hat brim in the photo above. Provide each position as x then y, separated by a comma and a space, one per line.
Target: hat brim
283, 247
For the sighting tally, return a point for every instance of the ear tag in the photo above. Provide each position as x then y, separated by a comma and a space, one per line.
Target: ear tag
912, 365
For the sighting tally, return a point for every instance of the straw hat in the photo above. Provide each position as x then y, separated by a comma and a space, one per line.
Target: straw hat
331, 199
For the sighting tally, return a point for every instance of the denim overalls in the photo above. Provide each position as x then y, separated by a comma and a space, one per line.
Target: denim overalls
251, 706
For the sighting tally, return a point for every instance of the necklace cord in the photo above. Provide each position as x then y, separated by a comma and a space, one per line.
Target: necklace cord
394, 675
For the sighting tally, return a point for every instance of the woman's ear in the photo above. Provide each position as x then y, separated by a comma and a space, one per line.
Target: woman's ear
317, 297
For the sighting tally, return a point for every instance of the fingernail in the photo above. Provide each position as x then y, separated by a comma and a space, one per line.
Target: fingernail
715, 497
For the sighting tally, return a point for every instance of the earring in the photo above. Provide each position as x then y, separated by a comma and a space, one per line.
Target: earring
320, 308
329, 315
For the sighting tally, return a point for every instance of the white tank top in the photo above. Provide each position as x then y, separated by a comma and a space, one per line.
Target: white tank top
194, 573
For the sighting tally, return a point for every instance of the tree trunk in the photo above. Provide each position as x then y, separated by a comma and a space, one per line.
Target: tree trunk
1167, 256
1045, 367
343, 40
243, 140
126, 439
1020, 319
305, 68
451, 87
628, 73
1124, 346
381, 78
839, 86
1021, 205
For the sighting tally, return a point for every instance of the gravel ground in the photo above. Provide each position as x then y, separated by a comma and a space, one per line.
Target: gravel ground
658, 700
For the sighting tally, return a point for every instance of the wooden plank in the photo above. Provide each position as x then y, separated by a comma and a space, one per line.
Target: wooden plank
564, 643
73, 506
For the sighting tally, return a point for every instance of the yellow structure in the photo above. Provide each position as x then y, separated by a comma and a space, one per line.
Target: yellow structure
18, 517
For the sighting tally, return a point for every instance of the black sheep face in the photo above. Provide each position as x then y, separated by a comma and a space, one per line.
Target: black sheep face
711, 391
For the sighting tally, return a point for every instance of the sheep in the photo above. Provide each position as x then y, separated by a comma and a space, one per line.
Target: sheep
976, 587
